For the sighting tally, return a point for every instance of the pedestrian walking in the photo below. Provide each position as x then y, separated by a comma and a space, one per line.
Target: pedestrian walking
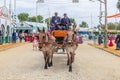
20, 37
100, 41
117, 41
14, 37
23, 36
35, 44
111, 39
79, 39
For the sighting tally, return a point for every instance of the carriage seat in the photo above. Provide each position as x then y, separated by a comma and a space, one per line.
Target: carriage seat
59, 35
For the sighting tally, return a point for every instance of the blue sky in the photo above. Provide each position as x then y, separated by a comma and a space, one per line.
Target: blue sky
82, 11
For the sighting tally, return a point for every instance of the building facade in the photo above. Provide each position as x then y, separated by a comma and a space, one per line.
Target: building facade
5, 26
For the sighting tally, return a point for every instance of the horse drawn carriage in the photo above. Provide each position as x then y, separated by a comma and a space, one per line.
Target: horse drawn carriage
49, 43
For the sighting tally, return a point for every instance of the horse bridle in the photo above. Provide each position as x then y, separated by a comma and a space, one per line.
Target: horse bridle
70, 41
43, 43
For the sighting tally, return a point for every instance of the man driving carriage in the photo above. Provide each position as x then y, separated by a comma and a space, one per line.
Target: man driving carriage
59, 27
55, 22
65, 22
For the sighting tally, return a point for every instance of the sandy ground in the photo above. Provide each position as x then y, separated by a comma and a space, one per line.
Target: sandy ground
22, 63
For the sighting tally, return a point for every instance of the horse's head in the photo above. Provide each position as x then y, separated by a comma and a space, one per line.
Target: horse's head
71, 36
43, 38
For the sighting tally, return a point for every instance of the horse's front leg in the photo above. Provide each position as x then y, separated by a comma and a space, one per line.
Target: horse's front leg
51, 63
46, 60
70, 66
51, 57
45, 67
70, 62
67, 58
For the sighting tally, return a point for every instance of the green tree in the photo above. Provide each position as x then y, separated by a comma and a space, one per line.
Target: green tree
47, 20
39, 19
72, 20
111, 26
118, 5
23, 16
34, 19
118, 26
84, 24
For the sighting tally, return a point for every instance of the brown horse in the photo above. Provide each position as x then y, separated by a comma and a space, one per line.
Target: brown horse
46, 45
70, 46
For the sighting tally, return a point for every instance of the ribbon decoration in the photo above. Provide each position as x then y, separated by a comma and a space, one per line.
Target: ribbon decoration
114, 16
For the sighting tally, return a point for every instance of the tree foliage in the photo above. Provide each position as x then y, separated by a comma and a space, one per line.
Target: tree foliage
118, 5
72, 20
39, 19
23, 16
47, 20
84, 24
111, 26
118, 26
34, 19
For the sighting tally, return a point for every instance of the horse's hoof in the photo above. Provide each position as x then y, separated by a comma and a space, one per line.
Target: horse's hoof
70, 70
49, 65
45, 67
67, 64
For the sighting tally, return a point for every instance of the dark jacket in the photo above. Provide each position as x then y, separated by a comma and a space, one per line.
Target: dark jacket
65, 21
55, 20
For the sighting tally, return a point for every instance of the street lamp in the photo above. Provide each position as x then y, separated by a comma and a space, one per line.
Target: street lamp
106, 28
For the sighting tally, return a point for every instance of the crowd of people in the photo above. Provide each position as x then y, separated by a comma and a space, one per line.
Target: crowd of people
23, 37
112, 39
